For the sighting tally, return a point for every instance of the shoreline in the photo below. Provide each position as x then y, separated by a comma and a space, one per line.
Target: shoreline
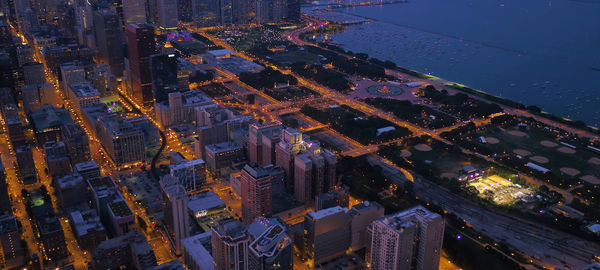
532, 109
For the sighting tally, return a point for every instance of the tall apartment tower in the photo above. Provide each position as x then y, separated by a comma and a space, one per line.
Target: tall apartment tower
140, 38
230, 241
410, 239
255, 143
109, 40
176, 209
285, 151
257, 193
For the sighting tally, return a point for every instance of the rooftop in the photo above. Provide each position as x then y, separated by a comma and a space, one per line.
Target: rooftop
85, 222
186, 164
87, 165
326, 212
232, 229
195, 248
49, 117
205, 201
120, 209
223, 147
84, 90
8, 224
273, 239
70, 180
258, 172
104, 181
221, 52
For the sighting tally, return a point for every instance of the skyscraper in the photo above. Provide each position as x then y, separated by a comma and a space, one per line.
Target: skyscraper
184, 10
176, 209
293, 10
140, 38
255, 144
230, 240
205, 12
163, 68
243, 11
285, 151
109, 40
410, 239
167, 14
134, 12
256, 191
225, 12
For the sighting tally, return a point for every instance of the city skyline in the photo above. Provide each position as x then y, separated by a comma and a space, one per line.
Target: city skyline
230, 134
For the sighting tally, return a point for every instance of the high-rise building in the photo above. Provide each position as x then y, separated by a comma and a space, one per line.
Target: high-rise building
230, 240
87, 169
34, 73
129, 251
4, 197
71, 190
290, 145
243, 11
55, 56
195, 252
71, 73
134, 11
326, 234
255, 143
16, 135
123, 142
109, 40
77, 143
140, 40
293, 10
191, 173
257, 193
184, 10
83, 95
27, 173
225, 14
32, 100
268, 11
13, 251
180, 107
114, 212
87, 228
362, 215
337, 196
410, 239
272, 250
167, 14
164, 75
47, 122
217, 124
221, 156
49, 231
24, 54
310, 170
176, 210
205, 12
56, 158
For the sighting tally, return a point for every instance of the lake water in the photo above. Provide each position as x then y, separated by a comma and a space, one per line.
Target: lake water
537, 52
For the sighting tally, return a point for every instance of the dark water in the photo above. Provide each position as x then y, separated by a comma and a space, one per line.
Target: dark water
544, 53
